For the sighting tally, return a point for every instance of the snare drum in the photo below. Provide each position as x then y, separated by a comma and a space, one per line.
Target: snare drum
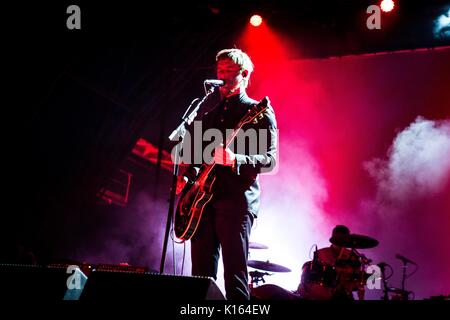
318, 281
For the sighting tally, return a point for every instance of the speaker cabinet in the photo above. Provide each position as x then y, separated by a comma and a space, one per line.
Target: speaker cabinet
111, 285
31, 282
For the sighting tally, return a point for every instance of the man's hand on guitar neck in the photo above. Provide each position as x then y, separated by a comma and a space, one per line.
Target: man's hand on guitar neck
224, 157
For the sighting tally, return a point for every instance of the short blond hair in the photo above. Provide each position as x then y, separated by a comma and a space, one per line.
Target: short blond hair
240, 58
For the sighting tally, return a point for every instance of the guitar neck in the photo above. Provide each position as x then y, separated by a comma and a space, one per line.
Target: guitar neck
246, 119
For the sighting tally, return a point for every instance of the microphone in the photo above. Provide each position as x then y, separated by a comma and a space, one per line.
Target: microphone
405, 260
214, 83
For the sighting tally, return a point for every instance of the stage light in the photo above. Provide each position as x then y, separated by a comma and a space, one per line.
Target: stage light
442, 26
256, 20
387, 5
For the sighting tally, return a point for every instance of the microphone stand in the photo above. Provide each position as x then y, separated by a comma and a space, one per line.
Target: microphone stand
180, 131
404, 292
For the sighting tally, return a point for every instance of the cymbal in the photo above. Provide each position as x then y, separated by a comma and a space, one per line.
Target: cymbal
354, 241
268, 266
255, 245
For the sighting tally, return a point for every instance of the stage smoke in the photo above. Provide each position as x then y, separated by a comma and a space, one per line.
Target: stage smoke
418, 162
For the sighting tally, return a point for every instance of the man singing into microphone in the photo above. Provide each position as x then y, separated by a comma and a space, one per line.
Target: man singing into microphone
228, 218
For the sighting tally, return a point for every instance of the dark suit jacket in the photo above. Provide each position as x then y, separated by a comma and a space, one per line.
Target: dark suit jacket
238, 187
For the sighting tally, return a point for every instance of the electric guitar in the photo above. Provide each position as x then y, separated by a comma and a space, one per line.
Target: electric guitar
196, 195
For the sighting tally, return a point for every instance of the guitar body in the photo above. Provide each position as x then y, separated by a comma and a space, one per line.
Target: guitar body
196, 196
192, 203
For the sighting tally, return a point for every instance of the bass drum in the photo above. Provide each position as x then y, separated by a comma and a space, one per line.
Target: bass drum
318, 281
272, 292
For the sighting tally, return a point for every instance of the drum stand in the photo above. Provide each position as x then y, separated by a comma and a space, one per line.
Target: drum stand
364, 262
256, 277
383, 276
400, 294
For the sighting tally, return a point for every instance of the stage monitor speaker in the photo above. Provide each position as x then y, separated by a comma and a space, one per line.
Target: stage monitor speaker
32, 282
110, 285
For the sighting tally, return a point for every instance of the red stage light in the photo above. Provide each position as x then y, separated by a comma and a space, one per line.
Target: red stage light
256, 20
387, 5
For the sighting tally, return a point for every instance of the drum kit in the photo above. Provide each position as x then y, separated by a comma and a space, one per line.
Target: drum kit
265, 291
319, 280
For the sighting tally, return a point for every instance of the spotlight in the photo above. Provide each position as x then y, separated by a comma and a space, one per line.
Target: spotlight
442, 26
256, 20
387, 5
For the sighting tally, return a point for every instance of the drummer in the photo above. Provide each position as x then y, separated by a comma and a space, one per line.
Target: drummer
346, 264
335, 253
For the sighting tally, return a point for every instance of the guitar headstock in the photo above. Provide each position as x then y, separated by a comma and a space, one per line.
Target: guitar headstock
256, 112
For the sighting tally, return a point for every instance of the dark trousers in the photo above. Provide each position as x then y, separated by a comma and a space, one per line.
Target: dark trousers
228, 228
